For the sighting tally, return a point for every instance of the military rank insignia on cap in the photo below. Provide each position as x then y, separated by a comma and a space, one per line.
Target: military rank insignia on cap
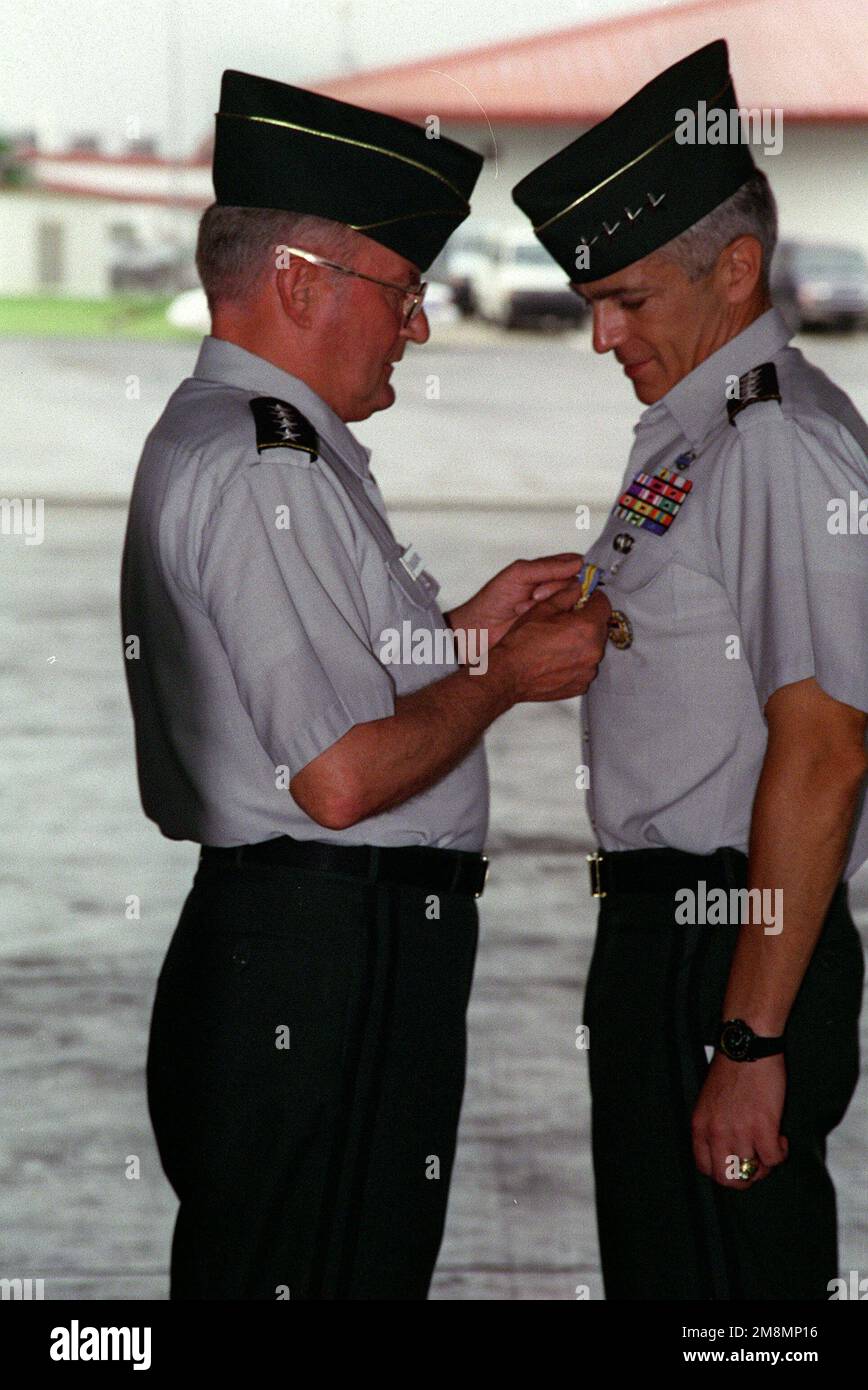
278, 146
280, 425
628, 186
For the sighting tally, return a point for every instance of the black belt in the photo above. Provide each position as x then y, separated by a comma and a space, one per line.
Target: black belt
663, 870
419, 866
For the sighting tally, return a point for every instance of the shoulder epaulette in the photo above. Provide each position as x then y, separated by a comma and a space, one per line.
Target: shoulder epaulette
280, 425
759, 384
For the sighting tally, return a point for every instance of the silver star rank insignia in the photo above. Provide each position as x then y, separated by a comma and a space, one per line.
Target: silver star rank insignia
280, 425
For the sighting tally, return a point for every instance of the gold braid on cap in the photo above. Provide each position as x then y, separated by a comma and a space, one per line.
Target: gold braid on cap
360, 144
624, 167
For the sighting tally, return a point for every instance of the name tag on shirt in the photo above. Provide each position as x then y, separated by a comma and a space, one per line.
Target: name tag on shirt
412, 562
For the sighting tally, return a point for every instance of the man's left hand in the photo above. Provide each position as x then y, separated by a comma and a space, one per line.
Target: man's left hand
514, 591
738, 1114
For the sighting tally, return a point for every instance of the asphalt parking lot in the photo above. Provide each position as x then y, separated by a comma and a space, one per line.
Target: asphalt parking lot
487, 464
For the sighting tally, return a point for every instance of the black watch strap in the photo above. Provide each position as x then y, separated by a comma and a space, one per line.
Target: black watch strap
737, 1041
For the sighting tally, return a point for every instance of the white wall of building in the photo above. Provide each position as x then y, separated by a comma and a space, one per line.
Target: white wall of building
58, 244
819, 183
817, 177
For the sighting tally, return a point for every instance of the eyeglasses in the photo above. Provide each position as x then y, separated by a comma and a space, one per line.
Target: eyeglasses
413, 296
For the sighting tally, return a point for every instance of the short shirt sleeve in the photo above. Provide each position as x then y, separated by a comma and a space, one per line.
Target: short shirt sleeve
280, 583
798, 581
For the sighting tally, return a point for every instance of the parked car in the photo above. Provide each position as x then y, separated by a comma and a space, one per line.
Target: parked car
190, 310
466, 254
820, 285
158, 269
440, 306
519, 283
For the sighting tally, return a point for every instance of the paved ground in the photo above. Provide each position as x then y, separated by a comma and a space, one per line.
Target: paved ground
77, 977
518, 419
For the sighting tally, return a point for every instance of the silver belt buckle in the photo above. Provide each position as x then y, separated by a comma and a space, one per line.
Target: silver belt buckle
594, 862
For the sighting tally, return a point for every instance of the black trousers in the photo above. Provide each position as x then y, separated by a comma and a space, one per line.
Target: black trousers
653, 1000
305, 1073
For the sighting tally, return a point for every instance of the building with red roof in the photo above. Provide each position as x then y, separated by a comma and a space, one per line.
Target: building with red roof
521, 100
802, 55
80, 214
517, 101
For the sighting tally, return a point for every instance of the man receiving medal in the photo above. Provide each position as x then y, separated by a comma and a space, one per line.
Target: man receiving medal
725, 732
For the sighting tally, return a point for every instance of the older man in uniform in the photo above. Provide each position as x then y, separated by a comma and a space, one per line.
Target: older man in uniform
307, 1049
726, 732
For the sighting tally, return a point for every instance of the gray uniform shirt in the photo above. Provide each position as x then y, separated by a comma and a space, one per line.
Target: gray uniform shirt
749, 588
259, 597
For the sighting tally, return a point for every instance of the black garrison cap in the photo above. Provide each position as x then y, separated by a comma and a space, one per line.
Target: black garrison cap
278, 146
628, 185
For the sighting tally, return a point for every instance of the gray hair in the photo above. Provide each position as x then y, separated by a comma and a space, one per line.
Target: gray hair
237, 246
750, 211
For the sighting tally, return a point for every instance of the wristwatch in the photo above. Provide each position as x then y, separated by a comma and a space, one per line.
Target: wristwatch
737, 1041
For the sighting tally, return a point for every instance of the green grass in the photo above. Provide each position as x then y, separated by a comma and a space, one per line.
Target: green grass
122, 316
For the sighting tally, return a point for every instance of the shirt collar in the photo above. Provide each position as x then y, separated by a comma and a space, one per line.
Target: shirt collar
697, 401
226, 362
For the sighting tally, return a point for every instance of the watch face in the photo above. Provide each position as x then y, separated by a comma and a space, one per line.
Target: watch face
735, 1040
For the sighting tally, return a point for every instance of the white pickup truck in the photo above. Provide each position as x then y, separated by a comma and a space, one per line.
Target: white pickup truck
519, 282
